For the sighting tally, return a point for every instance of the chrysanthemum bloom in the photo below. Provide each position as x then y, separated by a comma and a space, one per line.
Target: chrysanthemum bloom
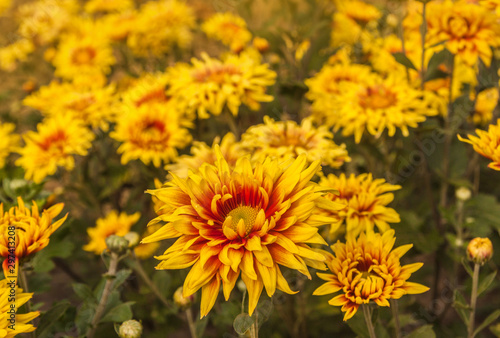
150, 88
112, 224
7, 330
345, 31
210, 84
202, 153
366, 202
376, 105
54, 145
89, 103
83, 55
228, 28
486, 101
286, 139
160, 26
358, 10
93, 6
480, 250
14, 53
32, 229
487, 143
43, 21
118, 26
368, 269
8, 141
151, 133
468, 31
242, 221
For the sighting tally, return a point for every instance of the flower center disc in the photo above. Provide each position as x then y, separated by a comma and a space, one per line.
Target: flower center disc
247, 214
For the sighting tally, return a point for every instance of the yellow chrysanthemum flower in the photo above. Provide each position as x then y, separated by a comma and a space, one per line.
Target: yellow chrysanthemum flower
91, 104
149, 89
112, 224
283, 140
486, 101
12, 323
32, 229
15, 52
469, 31
210, 84
8, 141
365, 201
151, 133
118, 26
358, 10
368, 269
43, 21
376, 105
344, 30
228, 28
93, 6
54, 145
83, 55
487, 143
202, 153
242, 221
160, 26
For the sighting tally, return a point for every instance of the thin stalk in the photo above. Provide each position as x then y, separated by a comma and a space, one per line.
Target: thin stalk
403, 49
192, 326
422, 58
368, 320
395, 315
473, 299
23, 282
113, 265
254, 330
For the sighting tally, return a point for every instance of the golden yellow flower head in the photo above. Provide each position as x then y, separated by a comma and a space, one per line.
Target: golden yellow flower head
9, 315
93, 6
151, 133
112, 224
14, 53
118, 26
43, 21
286, 139
149, 89
89, 103
358, 10
469, 31
261, 44
368, 269
345, 31
228, 28
202, 153
480, 250
487, 143
54, 145
242, 221
365, 201
31, 229
160, 26
211, 84
81, 54
486, 101
8, 141
378, 104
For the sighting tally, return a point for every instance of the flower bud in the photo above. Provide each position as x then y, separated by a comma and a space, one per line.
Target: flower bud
180, 300
130, 329
261, 44
480, 250
463, 194
133, 238
117, 244
241, 285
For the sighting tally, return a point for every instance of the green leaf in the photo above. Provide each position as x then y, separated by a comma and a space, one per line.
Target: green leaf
51, 317
461, 307
42, 262
242, 323
467, 267
433, 71
423, 331
120, 277
119, 313
84, 292
403, 59
486, 282
490, 319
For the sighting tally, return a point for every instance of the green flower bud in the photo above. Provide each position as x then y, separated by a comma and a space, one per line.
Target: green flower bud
130, 329
117, 244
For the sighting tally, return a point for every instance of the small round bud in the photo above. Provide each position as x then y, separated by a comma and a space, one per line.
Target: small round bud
180, 300
392, 20
463, 194
130, 329
480, 250
117, 244
261, 44
241, 285
133, 239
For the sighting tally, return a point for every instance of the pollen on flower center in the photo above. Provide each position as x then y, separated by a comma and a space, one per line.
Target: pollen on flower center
246, 213
377, 97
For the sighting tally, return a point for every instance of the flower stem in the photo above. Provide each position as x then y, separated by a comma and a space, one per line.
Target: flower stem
254, 330
395, 314
422, 58
473, 299
113, 265
192, 326
368, 320
23, 283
